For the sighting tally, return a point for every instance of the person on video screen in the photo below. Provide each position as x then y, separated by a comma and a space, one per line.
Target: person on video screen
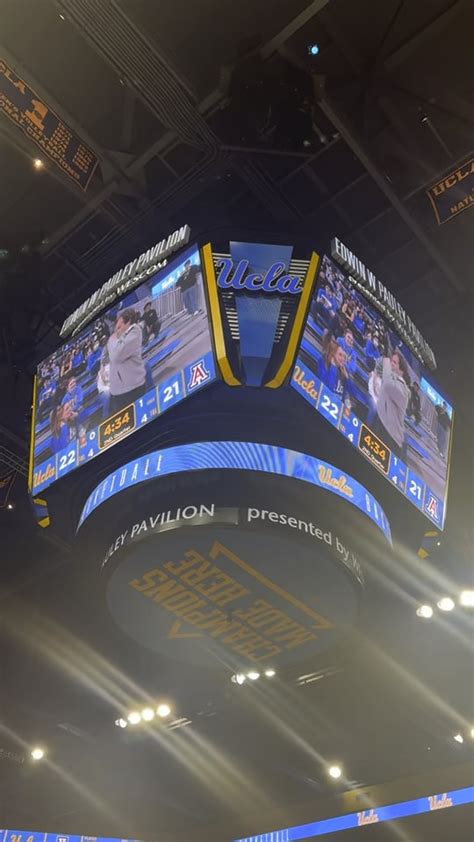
332, 369
150, 323
444, 423
123, 355
61, 432
346, 342
74, 401
187, 282
392, 402
414, 404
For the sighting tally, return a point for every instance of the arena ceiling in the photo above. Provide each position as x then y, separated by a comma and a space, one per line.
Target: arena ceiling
193, 111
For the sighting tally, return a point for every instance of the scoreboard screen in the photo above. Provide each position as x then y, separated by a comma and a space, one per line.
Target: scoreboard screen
142, 356
354, 370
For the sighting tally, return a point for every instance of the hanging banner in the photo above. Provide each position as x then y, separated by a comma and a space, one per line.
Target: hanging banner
454, 193
22, 105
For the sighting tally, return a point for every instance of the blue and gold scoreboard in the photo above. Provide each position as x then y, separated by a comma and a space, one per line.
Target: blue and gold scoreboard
246, 423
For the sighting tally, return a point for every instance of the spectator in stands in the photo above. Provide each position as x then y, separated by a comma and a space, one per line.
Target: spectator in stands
77, 358
414, 404
123, 354
347, 343
392, 402
187, 283
332, 368
325, 306
61, 432
359, 322
74, 401
150, 323
371, 349
444, 423
93, 357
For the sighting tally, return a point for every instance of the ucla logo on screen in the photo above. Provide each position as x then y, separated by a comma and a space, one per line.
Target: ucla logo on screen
237, 276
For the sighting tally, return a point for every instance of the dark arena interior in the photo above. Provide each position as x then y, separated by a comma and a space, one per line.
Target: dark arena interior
236, 420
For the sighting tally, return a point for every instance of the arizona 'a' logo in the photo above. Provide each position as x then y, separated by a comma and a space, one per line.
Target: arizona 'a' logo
432, 507
199, 375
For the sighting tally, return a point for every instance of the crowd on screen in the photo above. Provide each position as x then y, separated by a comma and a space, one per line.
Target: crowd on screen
356, 346
110, 357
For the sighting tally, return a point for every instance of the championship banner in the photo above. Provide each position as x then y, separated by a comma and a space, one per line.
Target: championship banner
454, 193
22, 105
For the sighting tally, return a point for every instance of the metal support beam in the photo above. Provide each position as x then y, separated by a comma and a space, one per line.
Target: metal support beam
354, 143
292, 27
430, 30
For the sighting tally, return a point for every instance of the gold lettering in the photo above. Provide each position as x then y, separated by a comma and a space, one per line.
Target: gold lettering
190, 558
148, 580
16, 82
38, 113
230, 594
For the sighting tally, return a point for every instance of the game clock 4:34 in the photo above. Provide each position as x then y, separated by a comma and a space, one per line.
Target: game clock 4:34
116, 426
374, 449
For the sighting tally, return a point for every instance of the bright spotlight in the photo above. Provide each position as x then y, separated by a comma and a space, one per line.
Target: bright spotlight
238, 678
459, 738
148, 714
37, 754
253, 675
335, 772
313, 49
445, 604
38, 164
424, 611
163, 711
467, 599
270, 673
134, 717
10, 507
121, 723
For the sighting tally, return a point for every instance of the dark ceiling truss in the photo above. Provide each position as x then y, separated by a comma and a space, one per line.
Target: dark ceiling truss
149, 77
138, 63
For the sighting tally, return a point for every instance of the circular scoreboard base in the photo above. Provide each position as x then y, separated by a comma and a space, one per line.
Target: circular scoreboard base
228, 568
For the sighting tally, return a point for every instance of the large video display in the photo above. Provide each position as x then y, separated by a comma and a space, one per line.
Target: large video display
145, 354
355, 371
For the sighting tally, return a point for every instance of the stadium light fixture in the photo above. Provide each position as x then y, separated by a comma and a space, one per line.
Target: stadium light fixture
466, 598
121, 723
163, 710
459, 738
148, 714
134, 717
424, 611
335, 772
37, 753
445, 603
38, 164
253, 675
270, 673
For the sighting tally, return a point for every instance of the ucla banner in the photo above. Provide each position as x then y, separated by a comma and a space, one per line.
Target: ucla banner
22, 105
376, 815
454, 193
246, 456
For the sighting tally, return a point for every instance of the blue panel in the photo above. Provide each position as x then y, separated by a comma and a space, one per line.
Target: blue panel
258, 314
240, 456
391, 812
164, 357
